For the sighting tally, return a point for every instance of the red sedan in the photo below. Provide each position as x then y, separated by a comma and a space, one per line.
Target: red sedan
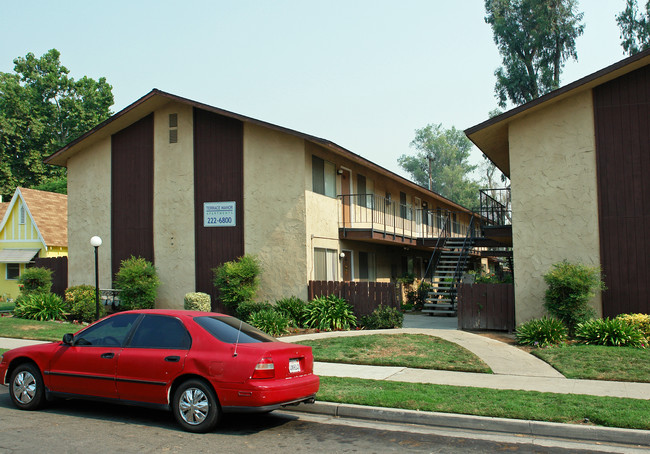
198, 364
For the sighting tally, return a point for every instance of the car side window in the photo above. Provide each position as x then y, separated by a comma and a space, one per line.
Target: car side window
110, 332
161, 331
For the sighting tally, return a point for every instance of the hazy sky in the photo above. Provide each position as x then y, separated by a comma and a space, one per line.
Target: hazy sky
363, 74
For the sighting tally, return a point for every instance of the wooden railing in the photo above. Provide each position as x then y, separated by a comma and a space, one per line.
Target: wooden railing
364, 297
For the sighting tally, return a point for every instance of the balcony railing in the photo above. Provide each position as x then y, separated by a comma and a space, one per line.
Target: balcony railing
380, 214
496, 206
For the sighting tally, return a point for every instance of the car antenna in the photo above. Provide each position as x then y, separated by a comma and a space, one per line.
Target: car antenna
234, 355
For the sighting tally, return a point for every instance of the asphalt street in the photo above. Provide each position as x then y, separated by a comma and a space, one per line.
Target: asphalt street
82, 427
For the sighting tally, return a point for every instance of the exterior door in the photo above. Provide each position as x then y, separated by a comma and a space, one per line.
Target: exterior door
345, 192
346, 264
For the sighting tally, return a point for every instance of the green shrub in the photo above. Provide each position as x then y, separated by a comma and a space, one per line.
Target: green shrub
80, 302
417, 297
541, 332
328, 313
245, 310
40, 306
570, 286
269, 321
138, 281
613, 332
197, 301
237, 281
35, 279
294, 309
384, 317
641, 321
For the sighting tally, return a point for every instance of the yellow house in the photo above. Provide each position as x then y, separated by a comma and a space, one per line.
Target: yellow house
34, 224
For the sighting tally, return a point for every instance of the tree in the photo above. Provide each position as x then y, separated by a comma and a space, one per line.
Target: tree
42, 109
635, 28
441, 164
535, 38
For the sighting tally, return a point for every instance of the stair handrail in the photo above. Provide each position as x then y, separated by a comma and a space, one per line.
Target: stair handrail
438, 246
462, 259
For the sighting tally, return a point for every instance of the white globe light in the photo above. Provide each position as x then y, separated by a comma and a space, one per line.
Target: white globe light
95, 241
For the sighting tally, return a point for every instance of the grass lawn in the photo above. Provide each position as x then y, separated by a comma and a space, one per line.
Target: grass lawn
530, 405
30, 329
2, 350
409, 350
597, 362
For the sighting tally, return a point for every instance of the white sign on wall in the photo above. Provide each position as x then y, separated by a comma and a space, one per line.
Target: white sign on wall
219, 214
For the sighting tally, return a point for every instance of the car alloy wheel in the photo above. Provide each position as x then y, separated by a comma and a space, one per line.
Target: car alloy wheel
27, 389
195, 406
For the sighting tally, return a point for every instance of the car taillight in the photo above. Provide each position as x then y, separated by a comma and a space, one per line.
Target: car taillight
264, 369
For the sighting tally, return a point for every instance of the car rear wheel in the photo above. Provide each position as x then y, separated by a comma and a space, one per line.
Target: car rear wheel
196, 407
26, 387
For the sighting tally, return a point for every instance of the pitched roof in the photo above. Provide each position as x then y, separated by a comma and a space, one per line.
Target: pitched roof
3, 209
491, 136
49, 211
157, 98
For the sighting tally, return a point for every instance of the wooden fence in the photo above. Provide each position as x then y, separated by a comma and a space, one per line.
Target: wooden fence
59, 267
489, 307
365, 297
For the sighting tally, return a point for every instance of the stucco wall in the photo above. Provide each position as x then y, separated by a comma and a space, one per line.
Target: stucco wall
89, 214
174, 206
554, 197
274, 210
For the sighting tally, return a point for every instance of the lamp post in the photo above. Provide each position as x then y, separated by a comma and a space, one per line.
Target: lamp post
96, 242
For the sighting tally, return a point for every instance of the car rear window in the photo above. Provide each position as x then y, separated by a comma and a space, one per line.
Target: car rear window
230, 329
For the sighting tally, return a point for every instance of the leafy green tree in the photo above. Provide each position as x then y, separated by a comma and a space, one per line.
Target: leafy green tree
443, 155
635, 27
535, 38
42, 109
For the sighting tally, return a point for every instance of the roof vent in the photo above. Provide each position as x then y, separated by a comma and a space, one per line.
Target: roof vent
173, 128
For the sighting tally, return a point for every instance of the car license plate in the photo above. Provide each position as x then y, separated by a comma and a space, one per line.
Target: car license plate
294, 366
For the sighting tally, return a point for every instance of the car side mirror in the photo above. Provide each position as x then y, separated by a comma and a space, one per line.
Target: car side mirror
68, 338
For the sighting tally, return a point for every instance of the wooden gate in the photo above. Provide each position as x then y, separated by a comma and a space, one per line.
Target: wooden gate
59, 268
489, 307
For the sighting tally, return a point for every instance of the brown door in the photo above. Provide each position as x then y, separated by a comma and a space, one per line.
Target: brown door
346, 263
345, 192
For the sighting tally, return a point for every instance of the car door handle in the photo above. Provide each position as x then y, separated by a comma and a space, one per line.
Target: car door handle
173, 359
108, 355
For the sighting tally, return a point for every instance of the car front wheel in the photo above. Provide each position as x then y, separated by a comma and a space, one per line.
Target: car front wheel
26, 387
196, 407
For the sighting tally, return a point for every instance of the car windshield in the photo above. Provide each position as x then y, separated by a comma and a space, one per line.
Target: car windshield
228, 329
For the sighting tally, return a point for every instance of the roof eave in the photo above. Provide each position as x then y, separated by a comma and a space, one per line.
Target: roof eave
491, 136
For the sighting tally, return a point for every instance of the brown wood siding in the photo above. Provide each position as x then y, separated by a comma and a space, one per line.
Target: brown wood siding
622, 122
132, 192
218, 177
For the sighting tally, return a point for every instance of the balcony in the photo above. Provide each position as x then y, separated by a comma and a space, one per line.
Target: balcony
372, 217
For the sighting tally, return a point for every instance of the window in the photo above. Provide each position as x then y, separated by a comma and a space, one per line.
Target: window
367, 266
325, 264
229, 329
323, 176
160, 331
111, 332
365, 190
21, 214
13, 271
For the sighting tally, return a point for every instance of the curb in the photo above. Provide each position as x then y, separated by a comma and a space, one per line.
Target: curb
597, 434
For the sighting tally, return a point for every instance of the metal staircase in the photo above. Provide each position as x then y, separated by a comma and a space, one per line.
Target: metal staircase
447, 273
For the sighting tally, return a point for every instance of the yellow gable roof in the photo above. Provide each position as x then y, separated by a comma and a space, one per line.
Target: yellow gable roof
49, 211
